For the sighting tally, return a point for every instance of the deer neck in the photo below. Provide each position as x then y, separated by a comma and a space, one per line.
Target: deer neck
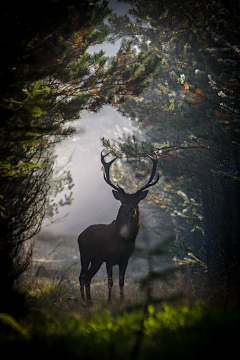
127, 224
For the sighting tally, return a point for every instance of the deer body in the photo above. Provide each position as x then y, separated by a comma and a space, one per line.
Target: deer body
113, 243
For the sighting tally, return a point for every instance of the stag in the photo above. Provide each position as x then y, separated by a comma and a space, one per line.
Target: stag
113, 243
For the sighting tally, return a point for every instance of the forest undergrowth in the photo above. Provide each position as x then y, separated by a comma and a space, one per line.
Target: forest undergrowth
57, 324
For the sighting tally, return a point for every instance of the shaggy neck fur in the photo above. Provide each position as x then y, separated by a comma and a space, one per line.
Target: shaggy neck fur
127, 223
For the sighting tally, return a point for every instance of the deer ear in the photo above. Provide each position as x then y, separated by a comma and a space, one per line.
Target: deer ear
117, 195
142, 195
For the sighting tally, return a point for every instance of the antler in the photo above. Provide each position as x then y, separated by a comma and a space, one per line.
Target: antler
155, 161
118, 188
107, 176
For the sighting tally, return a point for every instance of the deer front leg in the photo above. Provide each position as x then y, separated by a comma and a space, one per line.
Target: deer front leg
110, 282
122, 270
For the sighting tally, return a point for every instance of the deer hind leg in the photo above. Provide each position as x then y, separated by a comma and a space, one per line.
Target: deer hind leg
122, 270
95, 266
110, 281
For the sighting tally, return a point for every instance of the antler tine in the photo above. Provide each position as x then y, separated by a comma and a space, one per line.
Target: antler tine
106, 175
155, 162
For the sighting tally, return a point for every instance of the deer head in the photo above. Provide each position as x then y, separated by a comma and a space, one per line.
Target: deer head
129, 201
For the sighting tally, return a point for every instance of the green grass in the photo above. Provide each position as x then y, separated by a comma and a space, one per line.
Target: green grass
182, 332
